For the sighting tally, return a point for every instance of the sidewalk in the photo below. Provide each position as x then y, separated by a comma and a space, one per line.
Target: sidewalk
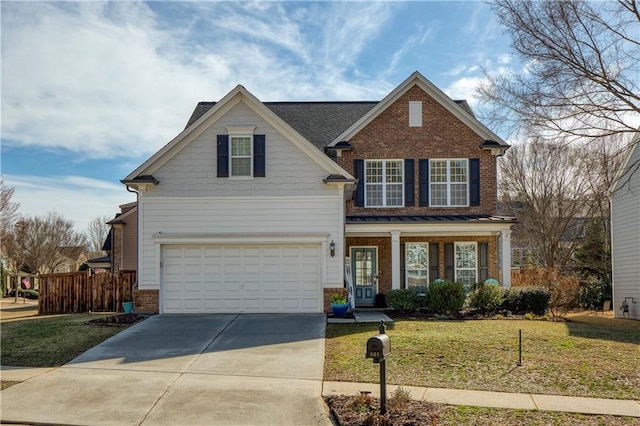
516, 401
523, 401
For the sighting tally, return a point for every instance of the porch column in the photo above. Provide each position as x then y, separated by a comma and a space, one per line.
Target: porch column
505, 241
395, 260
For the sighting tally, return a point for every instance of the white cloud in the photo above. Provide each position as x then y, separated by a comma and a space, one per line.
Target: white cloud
115, 80
465, 88
76, 198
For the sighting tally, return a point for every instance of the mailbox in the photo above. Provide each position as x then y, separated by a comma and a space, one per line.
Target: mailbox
378, 347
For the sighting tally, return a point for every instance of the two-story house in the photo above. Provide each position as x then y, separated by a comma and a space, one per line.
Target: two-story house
255, 207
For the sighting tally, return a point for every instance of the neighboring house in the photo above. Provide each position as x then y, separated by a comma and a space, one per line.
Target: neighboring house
255, 206
121, 243
625, 236
71, 258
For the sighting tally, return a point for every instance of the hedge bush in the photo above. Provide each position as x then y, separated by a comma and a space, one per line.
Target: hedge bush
445, 297
523, 300
29, 294
593, 293
486, 298
404, 300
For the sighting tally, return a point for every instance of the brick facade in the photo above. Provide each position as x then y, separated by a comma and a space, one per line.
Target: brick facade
327, 292
383, 244
146, 301
442, 135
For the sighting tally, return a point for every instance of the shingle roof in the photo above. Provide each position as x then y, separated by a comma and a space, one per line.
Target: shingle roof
431, 218
318, 122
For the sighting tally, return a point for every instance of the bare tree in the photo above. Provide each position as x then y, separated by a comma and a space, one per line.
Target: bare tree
97, 232
44, 240
582, 73
553, 189
8, 211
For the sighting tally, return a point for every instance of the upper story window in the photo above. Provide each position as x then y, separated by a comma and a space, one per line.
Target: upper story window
241, 157
384, 183
449, 183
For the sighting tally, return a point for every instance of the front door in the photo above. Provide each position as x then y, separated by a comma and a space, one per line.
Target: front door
365, 271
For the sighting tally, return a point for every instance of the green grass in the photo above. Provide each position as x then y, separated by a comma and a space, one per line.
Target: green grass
50, 341
462, 415
586, 356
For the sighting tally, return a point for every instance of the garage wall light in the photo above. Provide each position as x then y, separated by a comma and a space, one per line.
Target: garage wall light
332, 248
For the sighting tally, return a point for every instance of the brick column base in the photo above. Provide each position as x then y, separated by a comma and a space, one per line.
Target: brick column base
146, 301
327, 297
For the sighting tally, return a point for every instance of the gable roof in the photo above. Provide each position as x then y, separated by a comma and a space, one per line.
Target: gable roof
628, 167
319, 122
417, 79
214, 112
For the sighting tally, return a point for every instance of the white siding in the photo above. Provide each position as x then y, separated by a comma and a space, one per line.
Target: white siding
319, 215
192, 172
625, 230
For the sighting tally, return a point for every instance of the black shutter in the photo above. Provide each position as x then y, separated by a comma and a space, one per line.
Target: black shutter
483, 262
474, 181
258, 155
424, 183
223, 155
434, 260
449, 269
409, 183
358, 168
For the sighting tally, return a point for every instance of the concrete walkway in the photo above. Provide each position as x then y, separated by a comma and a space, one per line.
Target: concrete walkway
523, 401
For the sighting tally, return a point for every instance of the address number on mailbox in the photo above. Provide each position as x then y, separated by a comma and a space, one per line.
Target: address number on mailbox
378, 347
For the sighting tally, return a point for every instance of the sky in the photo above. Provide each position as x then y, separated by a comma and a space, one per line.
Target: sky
90, 90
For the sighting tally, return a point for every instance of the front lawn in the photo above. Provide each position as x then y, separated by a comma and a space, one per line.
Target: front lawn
584, 356
50, 341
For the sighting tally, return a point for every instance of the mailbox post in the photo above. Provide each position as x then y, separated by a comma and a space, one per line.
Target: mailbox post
378, 348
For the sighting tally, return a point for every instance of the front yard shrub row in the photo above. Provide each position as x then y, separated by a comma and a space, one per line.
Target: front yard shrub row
442, 297
446, 297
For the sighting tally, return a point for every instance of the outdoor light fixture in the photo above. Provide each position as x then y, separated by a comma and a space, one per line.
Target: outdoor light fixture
332, 248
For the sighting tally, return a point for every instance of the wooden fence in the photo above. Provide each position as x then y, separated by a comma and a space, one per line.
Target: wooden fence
78, 292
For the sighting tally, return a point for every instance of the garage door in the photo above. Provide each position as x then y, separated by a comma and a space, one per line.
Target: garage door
242, 278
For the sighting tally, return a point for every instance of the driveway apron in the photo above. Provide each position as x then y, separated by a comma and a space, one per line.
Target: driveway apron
240, 369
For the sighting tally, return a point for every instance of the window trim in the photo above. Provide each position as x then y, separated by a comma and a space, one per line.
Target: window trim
448, 183
406, 264
241, 132
384, 183
455, 263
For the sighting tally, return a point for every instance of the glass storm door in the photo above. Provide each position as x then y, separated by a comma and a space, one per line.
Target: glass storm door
365, 270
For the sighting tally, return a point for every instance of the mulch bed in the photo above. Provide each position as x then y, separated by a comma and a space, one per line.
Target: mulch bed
120, 319
365, 410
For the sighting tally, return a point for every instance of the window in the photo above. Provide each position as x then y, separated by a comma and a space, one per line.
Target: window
466, 264
241, 158
384, 183
417, 266
449, 183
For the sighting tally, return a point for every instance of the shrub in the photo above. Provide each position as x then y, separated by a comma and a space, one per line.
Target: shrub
563, 289
29, 294
399, 400
593, 293
523, 300
337, 299
404, 300
486, 298
445, 297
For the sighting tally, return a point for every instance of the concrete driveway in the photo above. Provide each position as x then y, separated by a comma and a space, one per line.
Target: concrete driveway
249, 369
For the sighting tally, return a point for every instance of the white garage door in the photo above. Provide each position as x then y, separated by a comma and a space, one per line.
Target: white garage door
242, 278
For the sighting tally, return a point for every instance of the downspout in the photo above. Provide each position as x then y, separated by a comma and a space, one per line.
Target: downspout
135, 286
